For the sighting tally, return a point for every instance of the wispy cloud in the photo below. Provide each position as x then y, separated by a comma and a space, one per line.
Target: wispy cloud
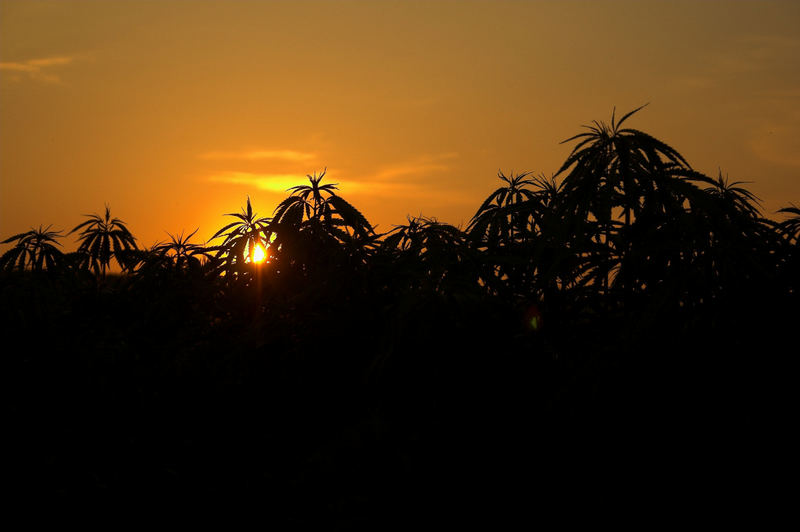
259, 154
282, 182
376, 188
416, 178
36, 69
420, 167
423, 177
262, 181
417, 191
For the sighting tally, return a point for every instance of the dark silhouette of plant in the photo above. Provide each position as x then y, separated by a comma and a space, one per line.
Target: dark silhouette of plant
314, 225
101, 239
789, 255
495, 224
306, 201
431, 252
615, 167
630, 297
178, 255
241, 239
790, 227
735, 199
181, 253
35, 249
615, 176
515, 228
318, 206
725, 243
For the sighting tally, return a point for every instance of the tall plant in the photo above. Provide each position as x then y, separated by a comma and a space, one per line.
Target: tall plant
240, 238
318, 205
35, 249
102, 238
613, 176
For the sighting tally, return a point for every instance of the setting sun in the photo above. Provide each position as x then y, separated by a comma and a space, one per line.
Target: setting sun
259, 254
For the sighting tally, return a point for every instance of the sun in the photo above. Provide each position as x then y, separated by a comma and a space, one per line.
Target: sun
259, 254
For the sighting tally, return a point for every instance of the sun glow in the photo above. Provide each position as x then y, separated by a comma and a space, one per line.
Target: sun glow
259, 254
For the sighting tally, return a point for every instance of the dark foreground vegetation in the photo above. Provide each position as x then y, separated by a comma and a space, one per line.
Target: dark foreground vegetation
621, 332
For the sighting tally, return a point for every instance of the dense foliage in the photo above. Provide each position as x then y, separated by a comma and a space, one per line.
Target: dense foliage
624, 319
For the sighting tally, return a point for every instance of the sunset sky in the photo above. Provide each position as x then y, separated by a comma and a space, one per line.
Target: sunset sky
173, 113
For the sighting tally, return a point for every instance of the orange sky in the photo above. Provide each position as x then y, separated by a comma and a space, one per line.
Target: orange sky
173, 112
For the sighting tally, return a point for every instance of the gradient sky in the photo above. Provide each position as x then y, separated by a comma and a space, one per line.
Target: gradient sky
174, 112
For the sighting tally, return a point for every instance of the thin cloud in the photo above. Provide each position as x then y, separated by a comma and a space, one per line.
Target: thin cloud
418, 178
383, 189
280, 183
37, 69
269, 182
258, 155
422, 166
50, 61
409, 170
